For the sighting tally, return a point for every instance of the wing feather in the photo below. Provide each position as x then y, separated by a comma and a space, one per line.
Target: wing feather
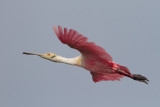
105, 76
79, 42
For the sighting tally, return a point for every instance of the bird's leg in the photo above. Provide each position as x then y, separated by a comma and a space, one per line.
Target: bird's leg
136, 77
140, 78
119, 71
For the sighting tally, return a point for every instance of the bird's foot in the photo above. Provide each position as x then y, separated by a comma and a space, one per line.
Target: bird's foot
140, 78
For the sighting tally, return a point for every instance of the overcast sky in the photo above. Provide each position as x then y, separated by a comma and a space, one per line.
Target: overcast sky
129, 30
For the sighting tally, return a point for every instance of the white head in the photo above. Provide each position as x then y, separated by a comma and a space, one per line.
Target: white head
49, 56
55, 58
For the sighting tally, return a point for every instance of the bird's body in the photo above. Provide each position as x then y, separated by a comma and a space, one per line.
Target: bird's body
93, 58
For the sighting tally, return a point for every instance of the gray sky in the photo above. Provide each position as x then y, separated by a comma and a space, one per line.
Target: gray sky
128, 30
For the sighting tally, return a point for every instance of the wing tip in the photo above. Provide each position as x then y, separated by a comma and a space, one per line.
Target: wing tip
55, 30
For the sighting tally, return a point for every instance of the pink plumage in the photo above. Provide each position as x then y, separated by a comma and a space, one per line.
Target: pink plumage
95, 58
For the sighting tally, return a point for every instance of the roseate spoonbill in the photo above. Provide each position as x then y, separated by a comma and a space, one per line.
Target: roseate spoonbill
93, 58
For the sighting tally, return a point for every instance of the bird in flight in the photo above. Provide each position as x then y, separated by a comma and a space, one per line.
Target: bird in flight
92, 58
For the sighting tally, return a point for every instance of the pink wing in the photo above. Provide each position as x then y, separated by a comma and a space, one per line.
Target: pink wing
91, 52
79, 42
105, 76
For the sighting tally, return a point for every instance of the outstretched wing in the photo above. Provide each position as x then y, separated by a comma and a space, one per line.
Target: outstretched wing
96, 76
77, 41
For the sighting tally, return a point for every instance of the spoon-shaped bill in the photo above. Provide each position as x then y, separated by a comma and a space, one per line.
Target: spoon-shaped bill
27, 53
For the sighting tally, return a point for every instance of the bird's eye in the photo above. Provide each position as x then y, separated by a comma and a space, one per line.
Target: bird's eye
48, 54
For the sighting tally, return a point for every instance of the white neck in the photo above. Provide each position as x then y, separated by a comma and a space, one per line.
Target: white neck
71, 61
